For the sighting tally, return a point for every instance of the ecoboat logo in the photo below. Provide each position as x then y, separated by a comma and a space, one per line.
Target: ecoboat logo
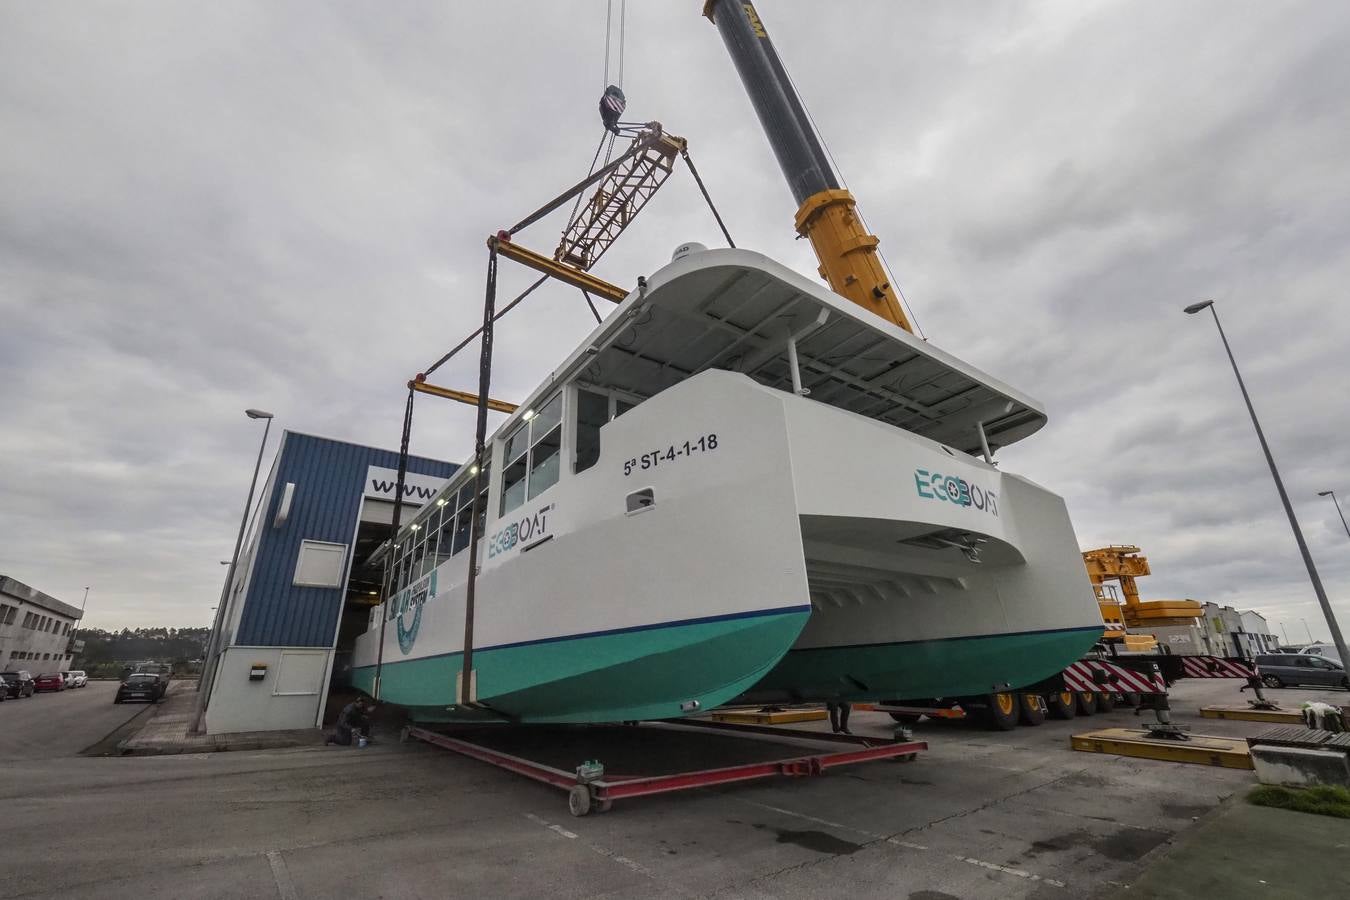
951, 489
412, 601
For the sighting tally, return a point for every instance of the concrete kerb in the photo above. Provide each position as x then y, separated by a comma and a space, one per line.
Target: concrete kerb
167, 732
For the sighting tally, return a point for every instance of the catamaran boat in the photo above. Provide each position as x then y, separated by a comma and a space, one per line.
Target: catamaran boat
740, 484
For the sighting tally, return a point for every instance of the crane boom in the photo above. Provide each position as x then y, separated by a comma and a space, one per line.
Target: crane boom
827, 215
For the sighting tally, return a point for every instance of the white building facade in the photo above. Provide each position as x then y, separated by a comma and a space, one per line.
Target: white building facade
35, 629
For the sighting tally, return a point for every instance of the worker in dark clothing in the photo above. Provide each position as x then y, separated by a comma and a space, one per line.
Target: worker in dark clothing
839, 716
353, 720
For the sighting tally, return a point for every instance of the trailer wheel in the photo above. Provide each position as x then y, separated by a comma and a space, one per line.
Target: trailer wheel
1060, 705
1106, 701
1030, 709
1087, 703
1001, 711
579, 800
1131, 699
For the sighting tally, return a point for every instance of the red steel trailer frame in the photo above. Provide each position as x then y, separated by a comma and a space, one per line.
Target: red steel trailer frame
585, 796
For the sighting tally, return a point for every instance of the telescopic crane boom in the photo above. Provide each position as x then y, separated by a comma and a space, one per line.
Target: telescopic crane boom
826, 214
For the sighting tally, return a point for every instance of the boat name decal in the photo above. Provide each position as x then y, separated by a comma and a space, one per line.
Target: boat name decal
951, 489
530, 528
703, 444
412, 600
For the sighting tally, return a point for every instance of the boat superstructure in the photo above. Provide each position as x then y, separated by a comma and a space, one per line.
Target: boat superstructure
733, 451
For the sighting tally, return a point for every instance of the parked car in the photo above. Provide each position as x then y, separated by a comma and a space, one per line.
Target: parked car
17, 684
161, 673
1326, 651
1279, 669
49, 681
139, 687
78, 678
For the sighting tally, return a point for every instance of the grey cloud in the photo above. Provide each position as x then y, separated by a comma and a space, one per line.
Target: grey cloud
284, 205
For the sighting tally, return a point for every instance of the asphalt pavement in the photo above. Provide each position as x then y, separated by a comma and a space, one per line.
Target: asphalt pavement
979, 815
63, 723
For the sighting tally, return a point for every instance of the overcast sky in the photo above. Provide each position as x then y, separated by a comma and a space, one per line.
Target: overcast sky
207, 207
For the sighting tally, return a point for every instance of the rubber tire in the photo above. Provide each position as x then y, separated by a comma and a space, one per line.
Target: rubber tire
1272, 681
1132, 699
1061, 705
1086, 702
906, 718
1106, 701
579, 800
1029, 709
1000, 712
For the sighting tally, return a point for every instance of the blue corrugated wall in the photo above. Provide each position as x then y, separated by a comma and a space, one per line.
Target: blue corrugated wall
329, 478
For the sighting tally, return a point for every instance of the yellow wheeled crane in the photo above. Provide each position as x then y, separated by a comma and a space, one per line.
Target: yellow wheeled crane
1127, 617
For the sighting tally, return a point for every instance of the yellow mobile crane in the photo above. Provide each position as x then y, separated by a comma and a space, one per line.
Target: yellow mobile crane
1122, 564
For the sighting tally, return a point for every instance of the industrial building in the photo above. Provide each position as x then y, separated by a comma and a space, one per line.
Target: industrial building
301, 592
34, 628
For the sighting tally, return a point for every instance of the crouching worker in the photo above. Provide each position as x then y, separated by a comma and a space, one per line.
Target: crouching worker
352, 721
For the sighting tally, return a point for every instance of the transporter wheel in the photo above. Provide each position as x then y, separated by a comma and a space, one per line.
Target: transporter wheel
1272, 681
1131, 699
1061, 705
579, 800
1087, 702
1106, 701
1001, 711
1030, 709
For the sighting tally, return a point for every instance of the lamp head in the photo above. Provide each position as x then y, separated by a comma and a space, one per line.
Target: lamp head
1325, 493
257, 414
1196, 307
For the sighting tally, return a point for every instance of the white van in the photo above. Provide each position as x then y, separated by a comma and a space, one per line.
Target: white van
1326, 651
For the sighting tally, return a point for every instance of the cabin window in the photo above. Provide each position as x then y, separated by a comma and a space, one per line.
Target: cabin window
533, 451
592, 413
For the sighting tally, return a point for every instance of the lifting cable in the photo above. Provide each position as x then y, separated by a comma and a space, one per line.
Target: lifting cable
466, 690
595, 312
394, 526
684, 152
477, 331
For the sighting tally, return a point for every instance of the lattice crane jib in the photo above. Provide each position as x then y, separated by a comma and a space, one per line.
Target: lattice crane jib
619, 197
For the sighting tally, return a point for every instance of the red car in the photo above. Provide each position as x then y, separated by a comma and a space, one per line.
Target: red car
52, 681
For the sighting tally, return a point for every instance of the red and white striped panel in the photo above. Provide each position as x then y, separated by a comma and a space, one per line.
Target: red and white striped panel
1215, 667
1096, 675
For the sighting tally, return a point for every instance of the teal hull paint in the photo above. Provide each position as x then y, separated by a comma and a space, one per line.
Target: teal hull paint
632, 675
954, 667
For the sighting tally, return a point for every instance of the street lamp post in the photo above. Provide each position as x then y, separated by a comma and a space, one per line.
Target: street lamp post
208, 659
1321, 593
1332, 495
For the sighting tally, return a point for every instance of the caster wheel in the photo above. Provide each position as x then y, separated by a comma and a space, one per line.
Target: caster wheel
579, 800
